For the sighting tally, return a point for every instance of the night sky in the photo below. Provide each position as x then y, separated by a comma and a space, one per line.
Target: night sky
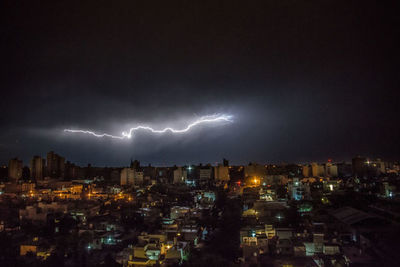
304, 80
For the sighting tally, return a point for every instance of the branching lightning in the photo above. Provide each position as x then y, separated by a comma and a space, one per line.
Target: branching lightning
129, 134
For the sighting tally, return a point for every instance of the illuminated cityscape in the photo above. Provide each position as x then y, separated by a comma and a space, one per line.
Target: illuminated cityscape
199, 133
187, 215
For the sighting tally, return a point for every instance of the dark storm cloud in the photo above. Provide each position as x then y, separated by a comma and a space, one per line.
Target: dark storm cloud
305, 81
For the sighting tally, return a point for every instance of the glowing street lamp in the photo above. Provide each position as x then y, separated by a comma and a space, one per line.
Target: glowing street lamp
256, 181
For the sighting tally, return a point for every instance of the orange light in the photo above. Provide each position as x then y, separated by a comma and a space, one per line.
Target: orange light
256, 181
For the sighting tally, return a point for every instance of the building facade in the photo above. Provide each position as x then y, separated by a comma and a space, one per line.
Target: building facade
15, 167
130, 176
221, 173
180, 175
37, 166
55, 165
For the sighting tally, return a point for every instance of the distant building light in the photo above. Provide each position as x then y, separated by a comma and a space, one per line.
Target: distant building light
253, 233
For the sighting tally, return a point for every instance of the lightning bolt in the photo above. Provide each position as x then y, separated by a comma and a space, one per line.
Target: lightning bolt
129, 134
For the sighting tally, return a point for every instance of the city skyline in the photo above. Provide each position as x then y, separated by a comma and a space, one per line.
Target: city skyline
27, 162
49, 157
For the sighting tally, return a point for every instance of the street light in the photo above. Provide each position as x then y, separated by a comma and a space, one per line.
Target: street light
256, 181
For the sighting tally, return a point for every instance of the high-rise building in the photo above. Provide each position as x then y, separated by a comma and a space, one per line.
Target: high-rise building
317, 170
367, 168
130, 176
55, 165
51, 163
344, 169
180, 175
306, 171
221, 173
359, 167
205, 174
15, 167
36, 167
331, 170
